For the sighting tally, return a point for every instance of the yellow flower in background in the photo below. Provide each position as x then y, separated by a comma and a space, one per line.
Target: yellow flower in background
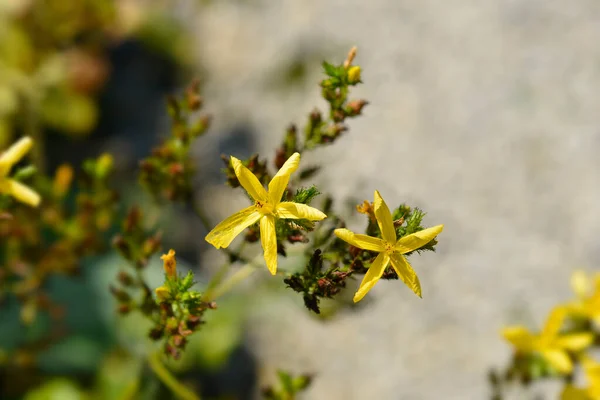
390, 249
267, 208
591, 369
10, 186
550, 344
169, 263
587, 290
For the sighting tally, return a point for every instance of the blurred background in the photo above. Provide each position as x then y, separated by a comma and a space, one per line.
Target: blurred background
483, 113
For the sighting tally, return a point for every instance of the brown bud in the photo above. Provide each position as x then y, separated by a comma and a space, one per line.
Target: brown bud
125, 278
156, 333
355, 107
280, 157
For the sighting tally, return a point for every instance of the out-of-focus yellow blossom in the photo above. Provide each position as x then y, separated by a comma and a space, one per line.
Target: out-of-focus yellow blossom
169, 263
267, 208
591, 368
390, 249
10, 186
552, 346
587, 290
62, 180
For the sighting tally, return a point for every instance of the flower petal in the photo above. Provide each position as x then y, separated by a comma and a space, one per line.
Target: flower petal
268, 239
248, 180
281, 179
14, 154
418, 239
361, 241
20, 192
372, 276
558, 359
518, 336
406, 273
224, 233
575, 341
571, 392
554, 322
384, 219
580, 283
290, 210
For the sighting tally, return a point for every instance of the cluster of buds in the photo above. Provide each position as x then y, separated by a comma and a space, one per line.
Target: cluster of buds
168, 172
319, 130
180, 309
334, 90
134, 243
314, 282
30, 257
288, 386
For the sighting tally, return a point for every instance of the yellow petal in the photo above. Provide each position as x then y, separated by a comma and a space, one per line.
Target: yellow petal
372, 276
290, 210
558, 359
248, 180
20, 192
268, 239
224, 233
361, 241
554, 322
384, 219
280, 180
570, 392
418, 239
580, 283
406, 273
518, 336
14, 154
575, 341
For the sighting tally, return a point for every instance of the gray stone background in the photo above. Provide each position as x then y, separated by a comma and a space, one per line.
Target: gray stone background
484, 113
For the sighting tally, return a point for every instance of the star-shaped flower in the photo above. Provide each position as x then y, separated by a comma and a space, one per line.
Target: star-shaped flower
10, 186
390, 249
550, 344
267, 208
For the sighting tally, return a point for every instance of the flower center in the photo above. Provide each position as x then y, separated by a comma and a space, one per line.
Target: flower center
264, 207
389, 247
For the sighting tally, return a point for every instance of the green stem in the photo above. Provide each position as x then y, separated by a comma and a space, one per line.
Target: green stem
33, 130
248, 269
180, 390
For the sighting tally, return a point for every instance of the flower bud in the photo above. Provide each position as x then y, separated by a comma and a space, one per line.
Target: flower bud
162, 294
354, 75
169, 263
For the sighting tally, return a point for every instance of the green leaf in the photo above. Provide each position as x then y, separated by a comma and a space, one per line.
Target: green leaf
331, 70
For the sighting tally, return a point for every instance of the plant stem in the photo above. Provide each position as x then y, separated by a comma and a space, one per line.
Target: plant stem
248, 269
169, 380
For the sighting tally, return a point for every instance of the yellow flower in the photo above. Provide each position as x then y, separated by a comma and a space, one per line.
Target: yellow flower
169, 263
591, 369
390, 249
587, 290
10, 186
267, 208
549, 344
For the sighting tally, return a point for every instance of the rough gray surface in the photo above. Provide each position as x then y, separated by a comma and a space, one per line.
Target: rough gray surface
485, 114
